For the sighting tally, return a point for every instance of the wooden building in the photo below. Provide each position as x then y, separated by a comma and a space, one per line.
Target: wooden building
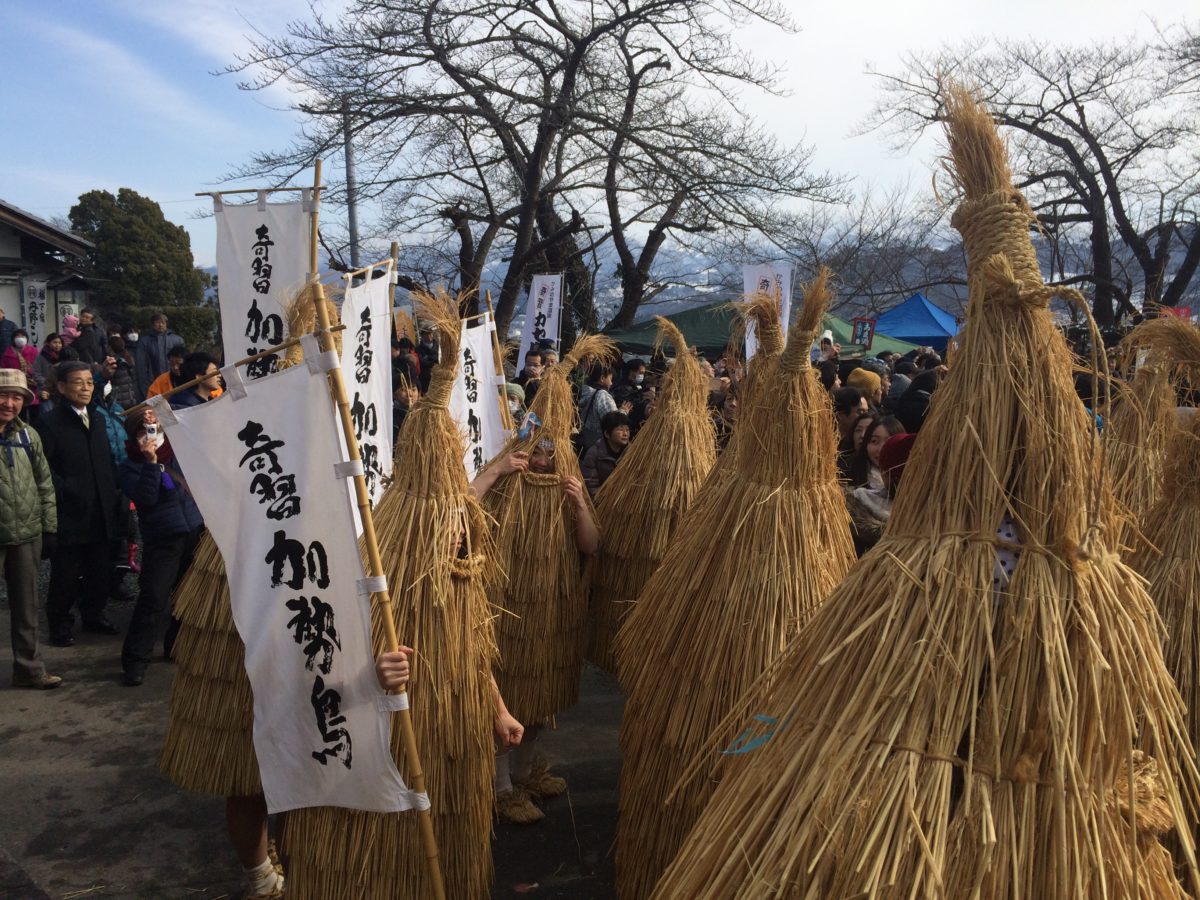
40, 278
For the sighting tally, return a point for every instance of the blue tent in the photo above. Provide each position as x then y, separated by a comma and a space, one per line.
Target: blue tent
918, 321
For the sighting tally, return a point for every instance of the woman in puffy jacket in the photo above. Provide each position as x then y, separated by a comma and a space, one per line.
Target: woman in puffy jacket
171, 525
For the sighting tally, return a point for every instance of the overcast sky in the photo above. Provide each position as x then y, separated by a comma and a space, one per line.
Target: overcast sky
119, 93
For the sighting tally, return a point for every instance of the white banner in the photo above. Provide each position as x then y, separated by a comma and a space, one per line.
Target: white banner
34, 312
543, 312
262, 263
768, 278
367, 373
475, 400
261, 468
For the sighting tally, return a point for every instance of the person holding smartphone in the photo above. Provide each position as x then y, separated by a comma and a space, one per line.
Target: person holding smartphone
171, 526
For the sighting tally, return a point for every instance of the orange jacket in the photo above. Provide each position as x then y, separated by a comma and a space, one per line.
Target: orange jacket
162, 384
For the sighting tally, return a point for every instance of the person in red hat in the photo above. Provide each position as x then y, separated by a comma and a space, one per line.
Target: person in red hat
870, 507
893, 456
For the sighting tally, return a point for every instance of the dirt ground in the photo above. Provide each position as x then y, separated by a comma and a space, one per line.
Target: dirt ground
88, 814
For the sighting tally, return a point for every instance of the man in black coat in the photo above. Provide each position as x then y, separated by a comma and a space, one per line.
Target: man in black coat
91, 345
76, 447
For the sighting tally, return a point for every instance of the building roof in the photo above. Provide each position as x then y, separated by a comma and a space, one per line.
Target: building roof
709, 328
58, 238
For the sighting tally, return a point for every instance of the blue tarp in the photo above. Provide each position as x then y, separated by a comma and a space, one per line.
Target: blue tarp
918, 321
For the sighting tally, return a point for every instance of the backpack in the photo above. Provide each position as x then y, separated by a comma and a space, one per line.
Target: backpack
23, 442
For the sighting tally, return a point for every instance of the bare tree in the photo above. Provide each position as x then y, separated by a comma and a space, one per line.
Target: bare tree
540, 129
1102, 143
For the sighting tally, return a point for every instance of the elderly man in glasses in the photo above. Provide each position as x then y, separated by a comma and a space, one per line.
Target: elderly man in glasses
76, 446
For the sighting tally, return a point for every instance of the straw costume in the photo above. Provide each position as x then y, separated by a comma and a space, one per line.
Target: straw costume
544, 521
1172, 563
441, 611
763, 310
941, 730
641, 505
542, 604
754, 557
1135, 443
209, 746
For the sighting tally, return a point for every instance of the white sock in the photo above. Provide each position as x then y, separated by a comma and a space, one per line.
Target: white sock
523, 758
503, 775
263, 878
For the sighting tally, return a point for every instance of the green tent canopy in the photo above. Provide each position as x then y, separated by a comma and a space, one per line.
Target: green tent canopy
707, 328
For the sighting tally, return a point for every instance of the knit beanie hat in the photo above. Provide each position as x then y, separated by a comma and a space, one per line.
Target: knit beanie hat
865, 380
878, 366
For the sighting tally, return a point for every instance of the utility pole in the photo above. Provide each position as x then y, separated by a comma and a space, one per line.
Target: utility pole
351, 184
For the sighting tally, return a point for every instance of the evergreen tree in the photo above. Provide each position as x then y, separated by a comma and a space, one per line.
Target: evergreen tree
140, 259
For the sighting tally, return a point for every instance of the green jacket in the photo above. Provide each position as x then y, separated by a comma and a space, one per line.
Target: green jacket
26, 489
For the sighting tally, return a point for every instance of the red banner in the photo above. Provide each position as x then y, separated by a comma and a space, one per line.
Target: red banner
864, 332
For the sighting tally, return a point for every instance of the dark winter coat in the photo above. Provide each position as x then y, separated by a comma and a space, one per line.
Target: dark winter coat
150, 359
124, 382
26, 487
43, 368
185, 399
8, 329
427, 356
597, 464
162, 511
84, 476
91, 345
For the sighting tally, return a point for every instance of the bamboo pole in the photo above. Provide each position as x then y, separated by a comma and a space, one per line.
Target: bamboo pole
375, 561
394, 254
248, 191
241, 362
350, 273
505, 415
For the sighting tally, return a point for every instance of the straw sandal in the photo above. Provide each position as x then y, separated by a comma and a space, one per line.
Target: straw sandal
540, 783
517, 807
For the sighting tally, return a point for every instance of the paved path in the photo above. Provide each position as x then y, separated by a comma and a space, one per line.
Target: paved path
88, 815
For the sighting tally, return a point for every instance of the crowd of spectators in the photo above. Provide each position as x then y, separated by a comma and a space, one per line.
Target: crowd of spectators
109, 470
85, 475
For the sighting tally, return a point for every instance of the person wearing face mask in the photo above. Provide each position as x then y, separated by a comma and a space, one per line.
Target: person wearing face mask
172, 525
632, 383
515, 397
23, 357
